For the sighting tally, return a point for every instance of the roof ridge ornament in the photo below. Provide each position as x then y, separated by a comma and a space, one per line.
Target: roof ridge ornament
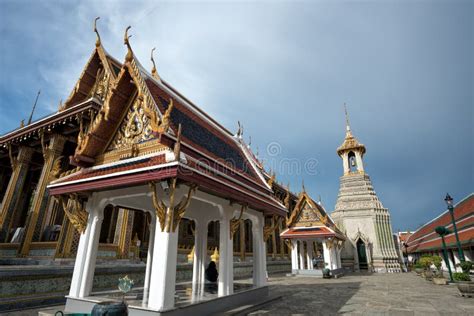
348, 126
154, 72
126, 37
97, 42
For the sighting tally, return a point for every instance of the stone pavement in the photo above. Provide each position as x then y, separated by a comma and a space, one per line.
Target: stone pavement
356, 294
376, 294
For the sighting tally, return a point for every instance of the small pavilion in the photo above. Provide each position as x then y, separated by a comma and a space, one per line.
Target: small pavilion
149, 149
314, 239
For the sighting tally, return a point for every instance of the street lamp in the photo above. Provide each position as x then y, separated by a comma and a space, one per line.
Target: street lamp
443, 231
449, 202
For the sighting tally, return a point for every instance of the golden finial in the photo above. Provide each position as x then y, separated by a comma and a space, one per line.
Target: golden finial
154, 73
22, 123
97, 42
126, 42
302, 186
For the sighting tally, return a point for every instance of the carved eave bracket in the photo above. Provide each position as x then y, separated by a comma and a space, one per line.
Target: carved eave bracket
170, 216
234, 223
74, 210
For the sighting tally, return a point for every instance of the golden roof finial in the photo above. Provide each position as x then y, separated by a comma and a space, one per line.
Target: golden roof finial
154, 73
302, 186
126, 42
97, 42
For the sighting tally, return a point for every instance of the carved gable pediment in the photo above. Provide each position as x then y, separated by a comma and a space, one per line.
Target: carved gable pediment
135, 127
309, 216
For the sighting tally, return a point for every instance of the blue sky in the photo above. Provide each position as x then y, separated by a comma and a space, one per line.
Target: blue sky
404, 68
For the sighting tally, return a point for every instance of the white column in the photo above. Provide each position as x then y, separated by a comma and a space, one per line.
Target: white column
200, 255
163, 271
309, 246
334, 257
345, 163
96, 212
294, 255
339, 264
327, 255
260, 258
301, 254
149, 259
456, 260
80, 258
226, 254
360, 164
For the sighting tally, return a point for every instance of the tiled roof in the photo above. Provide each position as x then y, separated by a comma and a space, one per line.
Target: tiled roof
201, 134
425, 237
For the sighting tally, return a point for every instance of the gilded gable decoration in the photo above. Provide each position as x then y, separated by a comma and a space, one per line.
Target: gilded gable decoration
135, 128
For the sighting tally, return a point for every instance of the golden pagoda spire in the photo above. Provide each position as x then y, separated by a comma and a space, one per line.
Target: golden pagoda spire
154, 73
97, 42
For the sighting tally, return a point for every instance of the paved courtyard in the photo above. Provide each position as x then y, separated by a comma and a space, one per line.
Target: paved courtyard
376, 294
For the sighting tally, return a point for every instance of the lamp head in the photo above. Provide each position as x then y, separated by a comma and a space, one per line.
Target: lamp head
448, 199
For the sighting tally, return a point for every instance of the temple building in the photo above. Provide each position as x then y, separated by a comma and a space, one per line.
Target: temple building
316, 242
129, 169
361, 216
33, 225
425, 241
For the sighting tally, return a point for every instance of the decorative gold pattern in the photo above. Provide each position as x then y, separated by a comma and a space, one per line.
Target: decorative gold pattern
235, 222
268, 230
160, 207
55, 169
177, 145
134, 129
169, 217
75, 212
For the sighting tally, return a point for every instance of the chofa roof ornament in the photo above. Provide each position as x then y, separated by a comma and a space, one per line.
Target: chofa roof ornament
97, 42
126, 37
154, 72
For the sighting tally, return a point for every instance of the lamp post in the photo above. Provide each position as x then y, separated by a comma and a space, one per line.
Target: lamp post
449, 202
443, 231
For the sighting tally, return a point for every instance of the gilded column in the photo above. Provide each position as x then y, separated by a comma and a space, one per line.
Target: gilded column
282, 243
242, 240
124, 236
274, 244
65, 240
51, 153
20, 165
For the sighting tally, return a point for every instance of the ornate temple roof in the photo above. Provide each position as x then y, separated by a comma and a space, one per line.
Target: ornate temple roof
147, 131
310, 220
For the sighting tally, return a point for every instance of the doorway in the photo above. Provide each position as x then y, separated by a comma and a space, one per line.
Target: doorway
362, 253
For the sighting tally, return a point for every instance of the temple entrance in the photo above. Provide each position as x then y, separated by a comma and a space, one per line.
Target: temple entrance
362, 253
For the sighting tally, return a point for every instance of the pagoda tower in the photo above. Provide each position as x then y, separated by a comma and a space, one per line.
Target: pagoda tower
361, 215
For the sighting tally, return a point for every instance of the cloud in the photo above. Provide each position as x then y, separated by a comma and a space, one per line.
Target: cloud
283, 69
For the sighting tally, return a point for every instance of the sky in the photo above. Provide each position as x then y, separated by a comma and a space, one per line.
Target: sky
284, 69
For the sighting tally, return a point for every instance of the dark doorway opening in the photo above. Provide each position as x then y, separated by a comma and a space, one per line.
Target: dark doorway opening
362, 253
